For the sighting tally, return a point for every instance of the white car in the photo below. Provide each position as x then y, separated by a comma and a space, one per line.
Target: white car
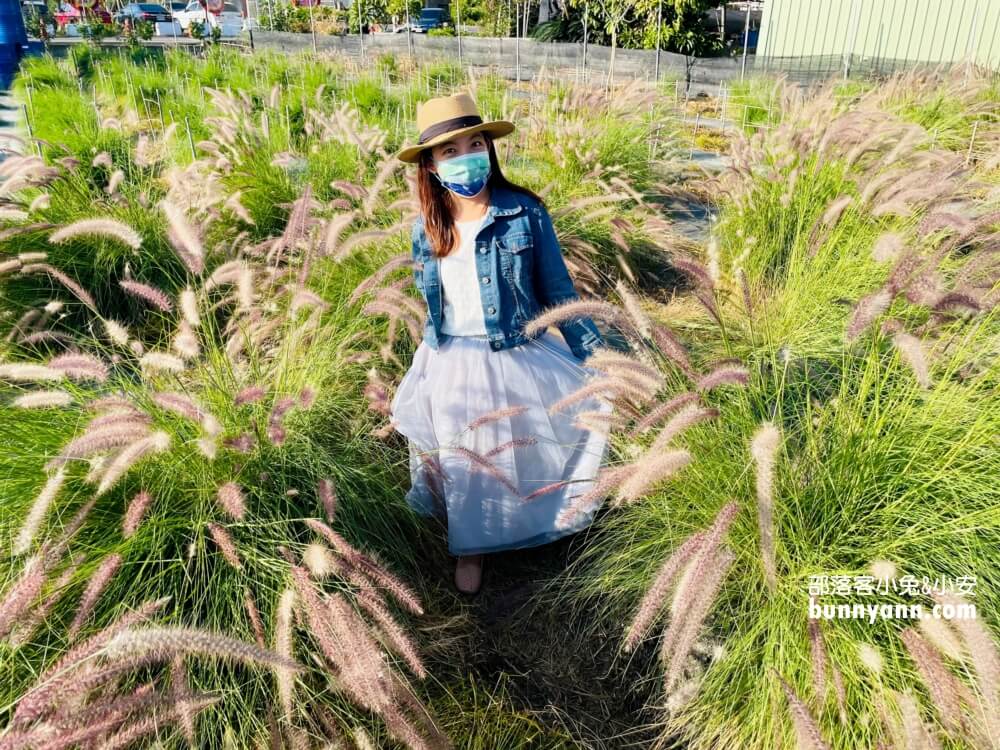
230, 20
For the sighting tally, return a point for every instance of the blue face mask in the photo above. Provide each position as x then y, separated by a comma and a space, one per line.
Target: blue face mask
465, 175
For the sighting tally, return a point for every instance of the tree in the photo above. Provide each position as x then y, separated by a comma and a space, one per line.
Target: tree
614, 12
684, 27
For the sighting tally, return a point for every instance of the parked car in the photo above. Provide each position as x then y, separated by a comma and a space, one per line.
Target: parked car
229, 19
430, 18
143, 12
68, 14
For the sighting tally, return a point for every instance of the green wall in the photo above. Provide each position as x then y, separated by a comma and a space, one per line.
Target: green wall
930, 31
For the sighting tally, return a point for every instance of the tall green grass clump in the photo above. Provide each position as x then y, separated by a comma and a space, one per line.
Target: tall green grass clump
202, 500
830, 417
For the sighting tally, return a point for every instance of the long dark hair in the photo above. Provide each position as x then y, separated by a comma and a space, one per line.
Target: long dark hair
437, 203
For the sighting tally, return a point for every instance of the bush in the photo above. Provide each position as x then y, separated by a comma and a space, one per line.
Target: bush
854, 324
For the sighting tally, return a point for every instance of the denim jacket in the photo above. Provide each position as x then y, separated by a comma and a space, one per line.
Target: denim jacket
521, 272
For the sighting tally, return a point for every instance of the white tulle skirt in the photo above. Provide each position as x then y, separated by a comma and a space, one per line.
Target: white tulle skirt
478, 477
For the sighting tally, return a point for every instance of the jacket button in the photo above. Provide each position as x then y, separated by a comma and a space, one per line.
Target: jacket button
495, 344
486, 279
482, 249
492, 310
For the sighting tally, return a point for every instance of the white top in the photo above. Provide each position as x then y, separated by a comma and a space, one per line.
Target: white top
463, 307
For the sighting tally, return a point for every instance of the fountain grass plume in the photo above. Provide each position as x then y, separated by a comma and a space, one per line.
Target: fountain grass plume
701, 564
283, 646
661, 411
984, 655
117, 432
545, 489
656, 592
496, 415
724, 375
230, 499
479, 462
156, 297
608, 478
21, 371
672, 348
103, 227
763, 448
887, 247
523, 442
327, 492
321, 562
39, 614
574, 309
179, 404
164, 642
612, 362
942, 635
403, 260
868, 309
43, 400
183, 237
249, 395
941, 684
22, 594
595, 388
61, 675
368, 564
819, 660
397, 639
140, 728
38, 510
688, 416
649, 470
226, 545
806, 728
911, 351
156, 442
683, 631
95, 587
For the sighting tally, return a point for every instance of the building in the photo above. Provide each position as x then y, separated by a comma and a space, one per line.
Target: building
877, 35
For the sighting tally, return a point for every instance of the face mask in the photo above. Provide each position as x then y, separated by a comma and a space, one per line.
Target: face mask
466, 174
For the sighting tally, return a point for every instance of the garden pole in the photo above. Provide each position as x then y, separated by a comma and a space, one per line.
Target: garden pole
585, 15
972, 140
187, 125
746, 41
659, 25
458, 30
27, 124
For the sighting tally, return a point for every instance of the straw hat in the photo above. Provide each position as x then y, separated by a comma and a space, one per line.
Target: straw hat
445, 117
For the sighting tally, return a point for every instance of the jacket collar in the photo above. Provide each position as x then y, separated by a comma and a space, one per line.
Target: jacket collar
503, 202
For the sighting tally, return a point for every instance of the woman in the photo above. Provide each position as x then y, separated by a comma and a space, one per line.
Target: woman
474, 404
